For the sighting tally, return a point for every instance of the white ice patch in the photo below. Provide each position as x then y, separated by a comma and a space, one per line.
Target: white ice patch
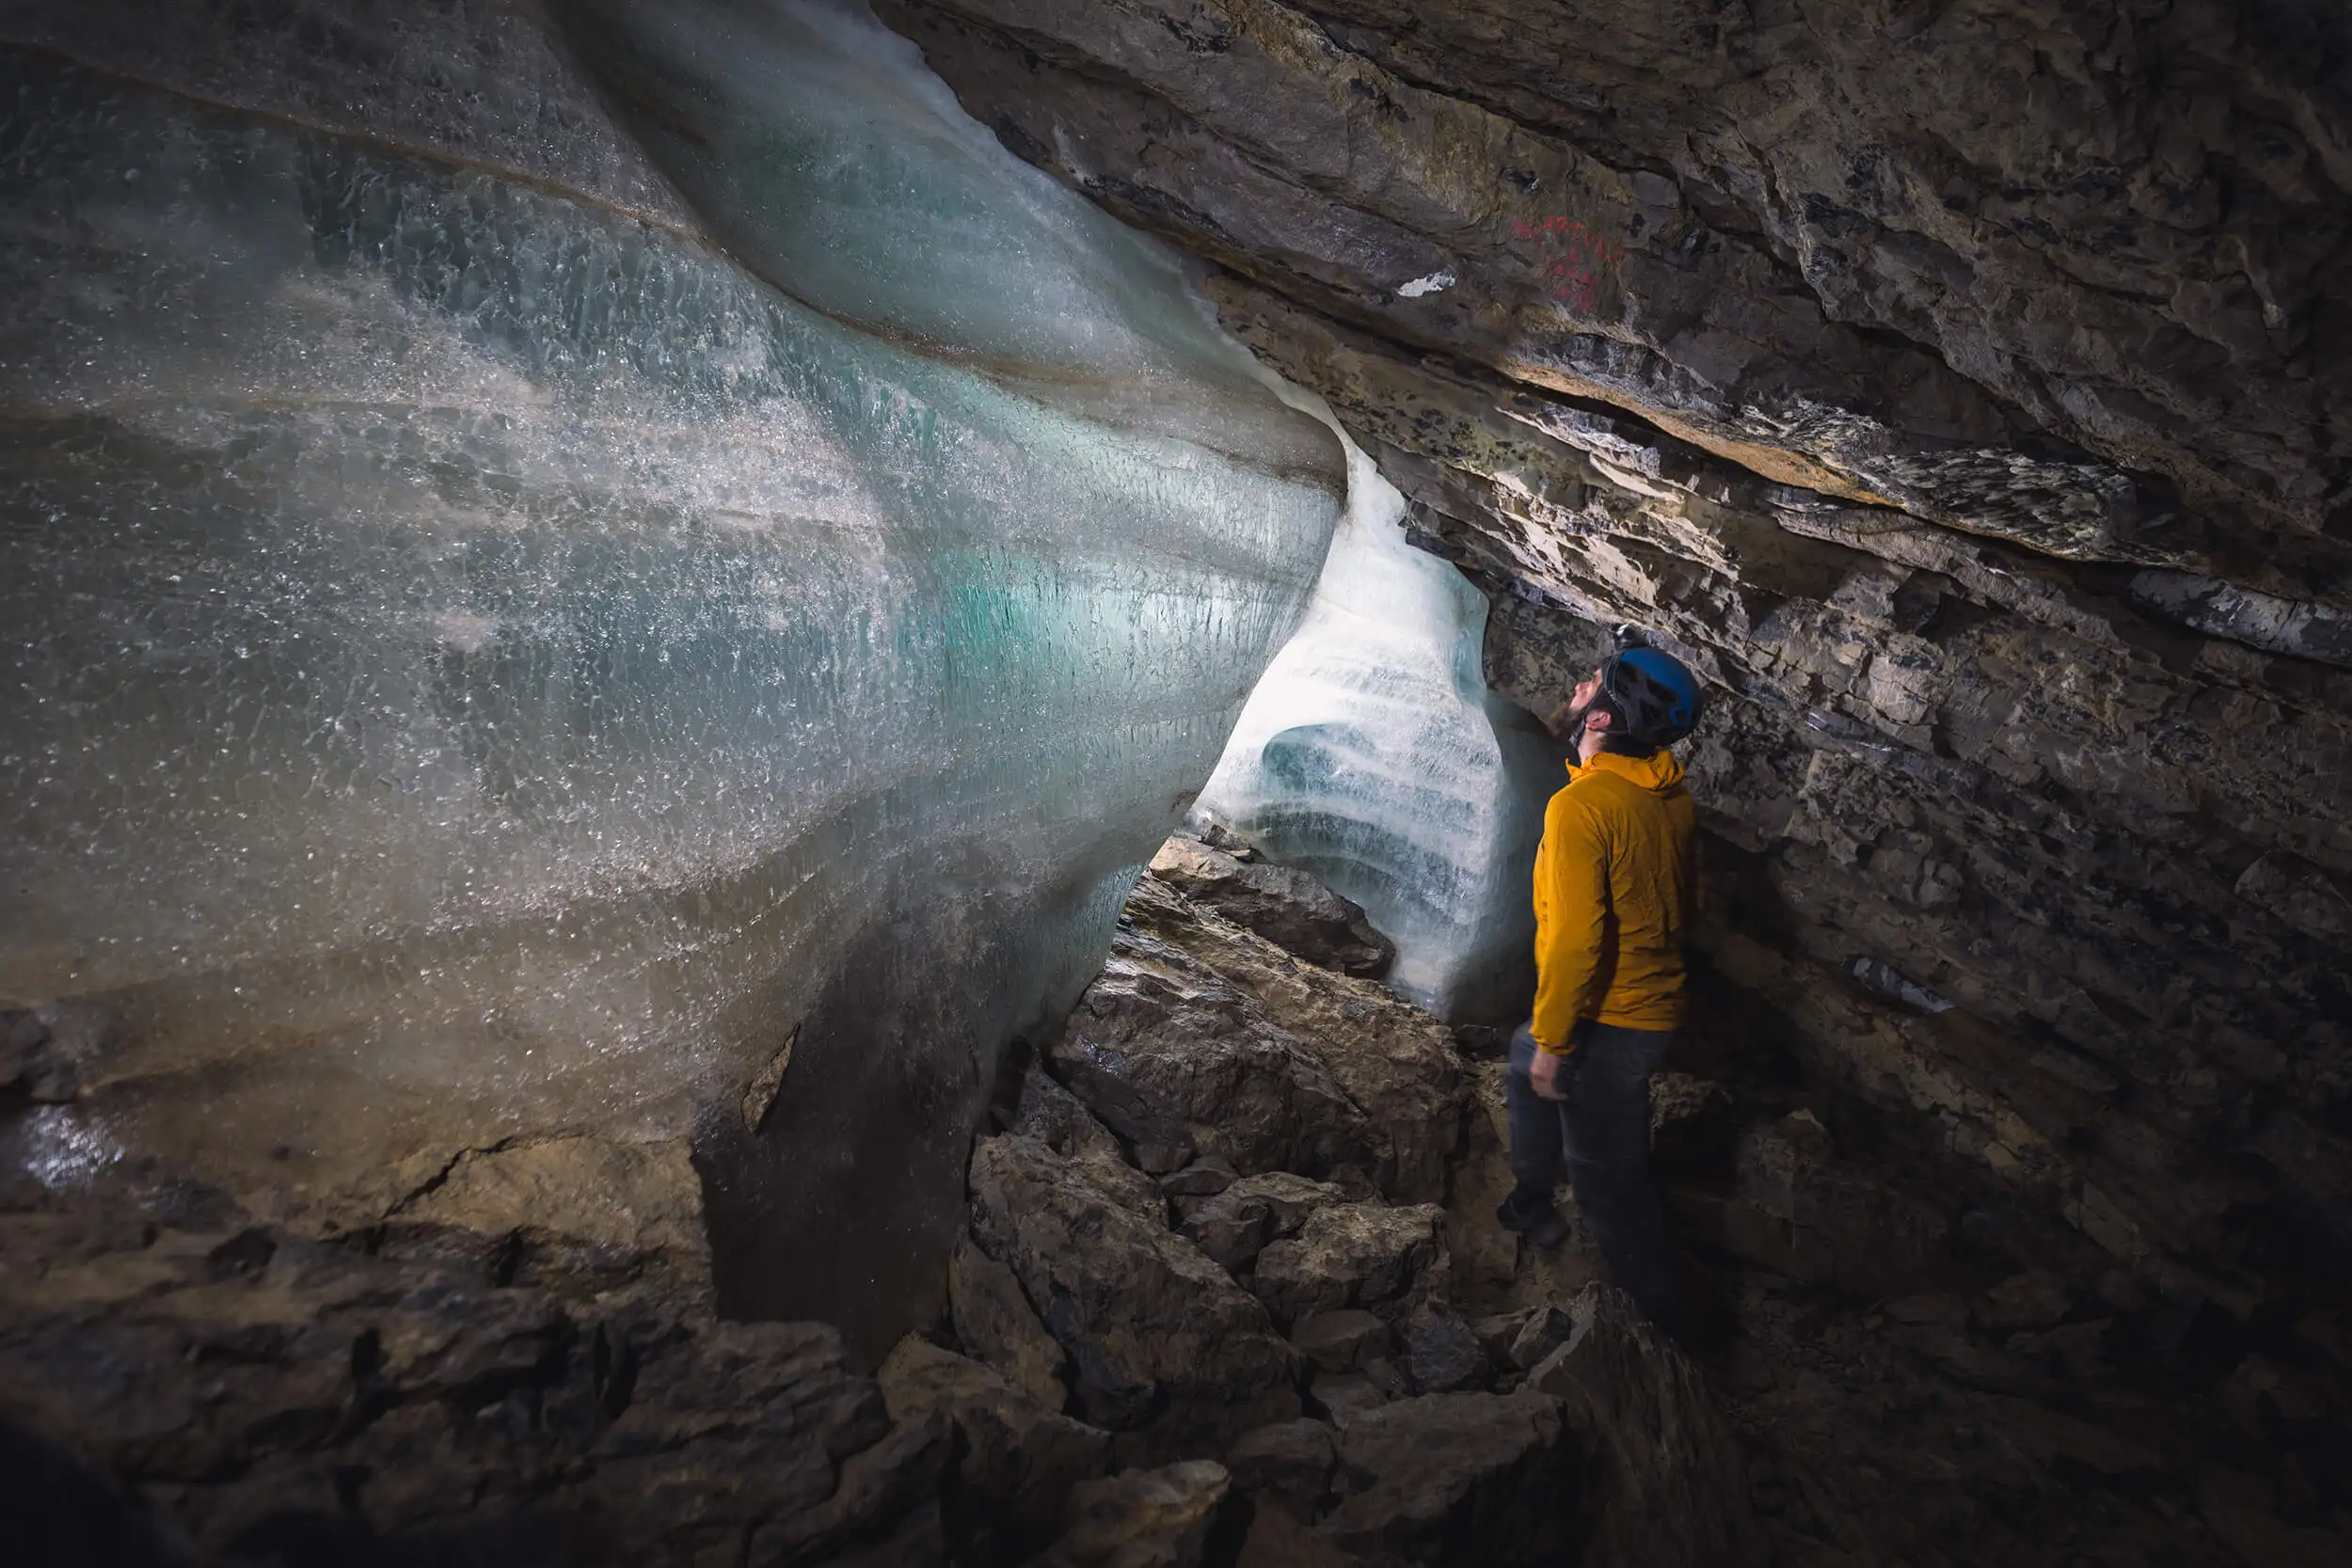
1372, 755
1435, 283
62, 1149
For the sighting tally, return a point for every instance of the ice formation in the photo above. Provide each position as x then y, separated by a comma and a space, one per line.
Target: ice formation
512, 607
1373, 755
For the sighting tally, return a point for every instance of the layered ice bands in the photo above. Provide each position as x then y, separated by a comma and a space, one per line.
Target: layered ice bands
1372, 755
526, 620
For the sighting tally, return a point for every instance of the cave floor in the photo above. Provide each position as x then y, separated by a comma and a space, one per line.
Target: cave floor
1231, 1291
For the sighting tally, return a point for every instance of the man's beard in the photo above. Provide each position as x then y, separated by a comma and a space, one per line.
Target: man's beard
1572, 726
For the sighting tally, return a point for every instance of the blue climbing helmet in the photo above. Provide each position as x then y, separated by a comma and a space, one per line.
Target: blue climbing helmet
1654, 695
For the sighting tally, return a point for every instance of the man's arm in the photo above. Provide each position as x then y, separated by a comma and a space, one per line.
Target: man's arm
1570, 921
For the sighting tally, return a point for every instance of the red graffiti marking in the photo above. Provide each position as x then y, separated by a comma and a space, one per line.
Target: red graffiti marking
1574, 255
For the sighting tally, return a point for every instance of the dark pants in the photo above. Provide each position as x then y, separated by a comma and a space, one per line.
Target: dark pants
1601, 1133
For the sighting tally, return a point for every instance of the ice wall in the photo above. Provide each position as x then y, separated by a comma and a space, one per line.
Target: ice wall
1372, 755
517, 612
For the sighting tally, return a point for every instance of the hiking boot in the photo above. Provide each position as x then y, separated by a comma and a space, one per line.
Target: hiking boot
1534, 1219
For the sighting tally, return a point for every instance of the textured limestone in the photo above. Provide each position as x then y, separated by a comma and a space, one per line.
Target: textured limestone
1158, 1336
1454, 1478
1234, 1225
1798, 1213
1669, 1485
264, 1391
1960, 389
1016, 1459
576, 1210
1201, 1037
2067, 275
1284, 905
1144, 1519
994, 1321
1347, 1254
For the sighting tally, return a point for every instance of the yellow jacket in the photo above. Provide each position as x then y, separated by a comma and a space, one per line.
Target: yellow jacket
1615, 888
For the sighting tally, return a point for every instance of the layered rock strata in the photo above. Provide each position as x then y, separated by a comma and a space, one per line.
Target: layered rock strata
1960, 389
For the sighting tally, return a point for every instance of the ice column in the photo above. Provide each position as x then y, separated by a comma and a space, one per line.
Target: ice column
518, 613
1372, 755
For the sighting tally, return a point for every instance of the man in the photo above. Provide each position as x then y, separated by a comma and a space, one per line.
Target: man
1613, 896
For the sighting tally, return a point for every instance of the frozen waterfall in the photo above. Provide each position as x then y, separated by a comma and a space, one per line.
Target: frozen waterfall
551, 564
1372, 755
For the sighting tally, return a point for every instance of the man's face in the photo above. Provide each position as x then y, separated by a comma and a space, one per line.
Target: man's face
1569, 724
1587, 693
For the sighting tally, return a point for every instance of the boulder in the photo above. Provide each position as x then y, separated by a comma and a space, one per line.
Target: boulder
1230, 1230
1341, 1342
1345, 1397
1666, 1484
576, 1213
1200, 1039
1157, 1333
1143, 1519
1016, 1460
257, 1386
1543, 1331
1442, 1354
1290, 1459
995, 1324
1799, 1211
1054, 1116
1203, 1178
1287, 906
2033, 1299
1362, 1255
1235, 1224
1482, 1479
1174, 1060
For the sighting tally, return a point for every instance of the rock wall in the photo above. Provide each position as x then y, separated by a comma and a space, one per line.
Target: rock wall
1962, 387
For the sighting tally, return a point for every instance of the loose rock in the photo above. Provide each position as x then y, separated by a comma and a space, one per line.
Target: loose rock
1293, 1459
1353, 1255
1286, 906
1202, 1038
1341, 1342
1668, 1486
1017, 1459
994, 1321
1147, 1519
1442, 1354
1157, 1333
1455, 1478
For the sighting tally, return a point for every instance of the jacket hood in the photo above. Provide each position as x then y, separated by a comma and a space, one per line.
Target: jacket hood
1659, 772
